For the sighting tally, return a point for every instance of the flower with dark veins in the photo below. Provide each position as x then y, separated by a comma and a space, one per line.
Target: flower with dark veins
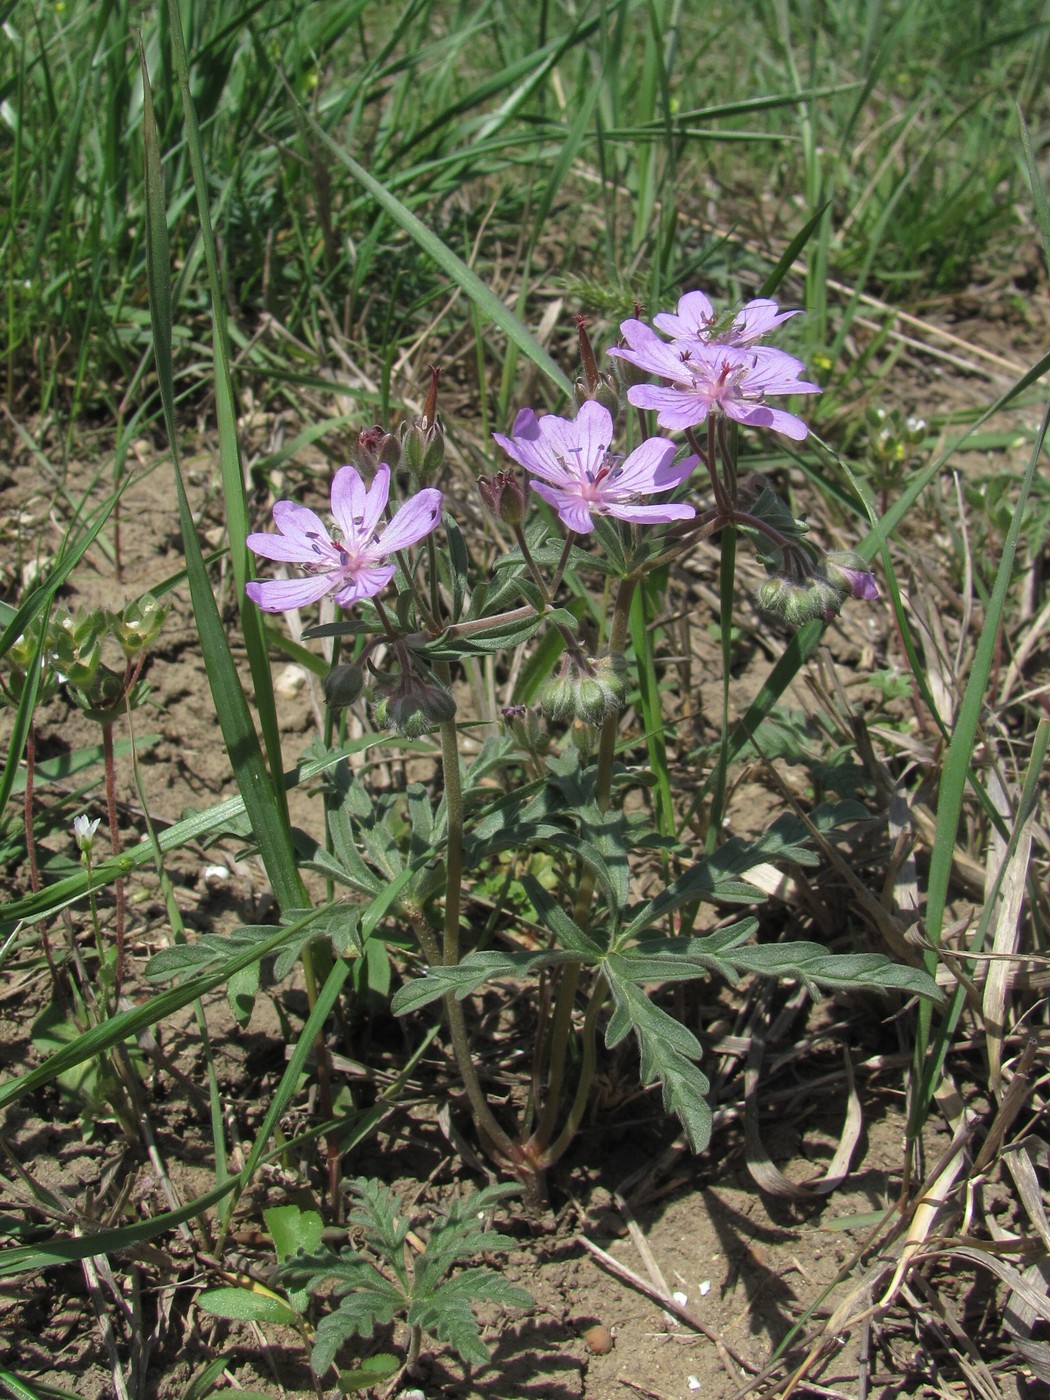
580, 477
352, 566
695, 319
710, 377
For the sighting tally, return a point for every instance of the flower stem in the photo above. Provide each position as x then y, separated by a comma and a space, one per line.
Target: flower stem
114, 836
538, 1147
34, 869
484, 1119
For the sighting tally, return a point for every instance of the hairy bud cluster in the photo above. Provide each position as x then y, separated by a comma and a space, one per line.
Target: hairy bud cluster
820, 593
412, 706
587, 689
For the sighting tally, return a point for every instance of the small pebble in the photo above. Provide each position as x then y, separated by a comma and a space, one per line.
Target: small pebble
216, 876
290, 681
599, 1340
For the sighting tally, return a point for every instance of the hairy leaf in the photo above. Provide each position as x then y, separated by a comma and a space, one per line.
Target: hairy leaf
667, 1051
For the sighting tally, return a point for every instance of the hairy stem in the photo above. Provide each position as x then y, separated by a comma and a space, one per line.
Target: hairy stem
484, 1118
561, 1020
114, 837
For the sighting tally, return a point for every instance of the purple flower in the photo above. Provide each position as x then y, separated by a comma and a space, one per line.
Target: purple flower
581, 478
696, 320
713, 377
849, 571
349, 568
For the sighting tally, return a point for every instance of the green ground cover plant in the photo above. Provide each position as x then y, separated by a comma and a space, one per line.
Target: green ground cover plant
674, 652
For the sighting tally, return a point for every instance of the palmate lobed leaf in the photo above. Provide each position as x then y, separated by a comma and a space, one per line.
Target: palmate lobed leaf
378, 1213
815, 965
469, 974
448, 1311
462, 1234
358, 1314
667, 1052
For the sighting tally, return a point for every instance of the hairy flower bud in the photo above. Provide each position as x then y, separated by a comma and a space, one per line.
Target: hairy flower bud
799, 601
414, 708
847, 571
505, 496
343, 685
587, 689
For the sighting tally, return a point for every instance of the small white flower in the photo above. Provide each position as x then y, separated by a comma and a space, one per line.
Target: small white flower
84, 830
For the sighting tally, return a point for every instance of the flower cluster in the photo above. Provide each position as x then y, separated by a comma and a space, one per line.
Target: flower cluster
712, 367
707, 367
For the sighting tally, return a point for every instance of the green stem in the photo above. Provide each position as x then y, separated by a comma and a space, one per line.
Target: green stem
484, 1119
561, 1022
114, 836
588, 1039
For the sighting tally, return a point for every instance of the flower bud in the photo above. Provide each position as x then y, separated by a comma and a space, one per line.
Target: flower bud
376, 446
423, 442
75, 648
414, 708
343, 685
138, 625
847, 571
800, 601
587, 689
505, 496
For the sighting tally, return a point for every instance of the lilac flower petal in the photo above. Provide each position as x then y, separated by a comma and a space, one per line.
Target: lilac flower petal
676, 472
376, 498
526, 424
648, 351
285, 594
654, 514
357, 509
416, 518
301, 524
675, 410
641, 471
292, 549
540, 445
757, 319
762, 416
695, 315
572, 510
365, 582
574, 447
775, 372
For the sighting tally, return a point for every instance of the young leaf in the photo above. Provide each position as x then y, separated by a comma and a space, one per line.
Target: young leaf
667, 1051
247, 1305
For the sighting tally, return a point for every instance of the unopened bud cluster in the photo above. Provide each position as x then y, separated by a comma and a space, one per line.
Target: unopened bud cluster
818, 593
587, 689
411, 705
71, 654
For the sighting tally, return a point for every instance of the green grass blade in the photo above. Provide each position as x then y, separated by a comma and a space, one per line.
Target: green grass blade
265, 810
235, 500
957, 761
